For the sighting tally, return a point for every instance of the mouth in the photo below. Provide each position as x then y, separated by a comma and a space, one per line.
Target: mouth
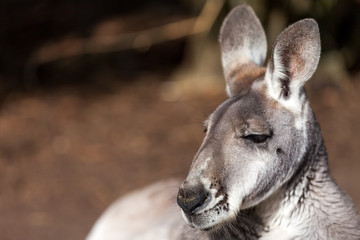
208, 216
203, 205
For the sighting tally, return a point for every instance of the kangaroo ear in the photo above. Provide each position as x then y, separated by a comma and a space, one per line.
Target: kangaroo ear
243, 48
293, 61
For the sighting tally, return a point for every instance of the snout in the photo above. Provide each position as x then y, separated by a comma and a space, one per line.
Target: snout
192, 198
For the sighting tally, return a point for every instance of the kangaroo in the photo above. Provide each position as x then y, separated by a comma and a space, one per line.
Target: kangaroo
262, 170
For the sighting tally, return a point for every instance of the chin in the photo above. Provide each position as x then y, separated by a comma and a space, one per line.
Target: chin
210, 219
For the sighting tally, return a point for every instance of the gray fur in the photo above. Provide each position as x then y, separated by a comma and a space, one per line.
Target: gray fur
262, 170
280, 188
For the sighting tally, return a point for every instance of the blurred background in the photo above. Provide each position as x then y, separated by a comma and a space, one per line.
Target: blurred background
101, 97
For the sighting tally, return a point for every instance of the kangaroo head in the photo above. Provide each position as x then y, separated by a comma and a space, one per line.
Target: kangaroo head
257, 138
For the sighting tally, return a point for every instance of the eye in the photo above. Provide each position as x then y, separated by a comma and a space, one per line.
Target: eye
256, 138
205, 130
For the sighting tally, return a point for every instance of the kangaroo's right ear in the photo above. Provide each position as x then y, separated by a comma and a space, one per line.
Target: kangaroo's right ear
243, 48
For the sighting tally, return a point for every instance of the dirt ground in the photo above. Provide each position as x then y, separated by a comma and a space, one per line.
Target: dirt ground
67, 153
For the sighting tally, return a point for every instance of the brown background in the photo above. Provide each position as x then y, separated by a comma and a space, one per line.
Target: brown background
78, 132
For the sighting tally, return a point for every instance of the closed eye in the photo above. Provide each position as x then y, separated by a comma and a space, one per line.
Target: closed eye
256, 138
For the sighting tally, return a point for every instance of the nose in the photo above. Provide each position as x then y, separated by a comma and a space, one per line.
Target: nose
191, 197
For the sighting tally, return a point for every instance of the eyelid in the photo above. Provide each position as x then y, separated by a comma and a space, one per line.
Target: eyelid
257, 138
249, 133
256, 126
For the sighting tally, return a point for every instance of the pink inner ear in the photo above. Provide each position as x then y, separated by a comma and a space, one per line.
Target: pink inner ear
297, 67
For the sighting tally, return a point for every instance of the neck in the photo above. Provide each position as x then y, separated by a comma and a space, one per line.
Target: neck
288, 207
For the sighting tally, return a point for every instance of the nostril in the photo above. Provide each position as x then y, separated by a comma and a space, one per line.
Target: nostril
189, 200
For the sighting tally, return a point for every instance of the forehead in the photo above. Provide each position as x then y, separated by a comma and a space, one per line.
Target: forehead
247, 107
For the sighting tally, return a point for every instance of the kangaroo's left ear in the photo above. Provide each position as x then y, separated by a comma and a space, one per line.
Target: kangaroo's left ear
293, 61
